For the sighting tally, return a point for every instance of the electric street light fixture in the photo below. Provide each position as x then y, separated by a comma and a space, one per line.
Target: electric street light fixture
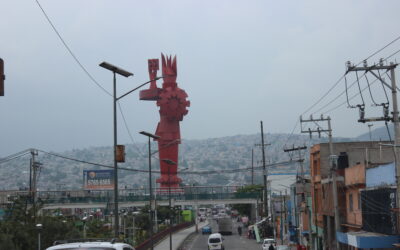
149, 135
170, 163
122, 72
115, 70
39, 228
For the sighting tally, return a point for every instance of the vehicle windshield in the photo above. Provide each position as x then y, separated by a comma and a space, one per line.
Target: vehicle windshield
88, 248
214, 240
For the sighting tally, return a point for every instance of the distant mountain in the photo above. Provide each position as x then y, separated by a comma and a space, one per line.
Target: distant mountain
219, 154
378, 134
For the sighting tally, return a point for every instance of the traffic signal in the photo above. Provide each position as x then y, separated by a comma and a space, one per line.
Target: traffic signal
2, 77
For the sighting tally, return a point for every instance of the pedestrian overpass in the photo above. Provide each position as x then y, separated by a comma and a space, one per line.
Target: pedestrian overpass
184, 196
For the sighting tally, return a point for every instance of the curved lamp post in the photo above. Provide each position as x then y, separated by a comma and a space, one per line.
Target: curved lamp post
122, 72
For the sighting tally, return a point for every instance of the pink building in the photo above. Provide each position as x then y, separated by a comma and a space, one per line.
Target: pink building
354, 181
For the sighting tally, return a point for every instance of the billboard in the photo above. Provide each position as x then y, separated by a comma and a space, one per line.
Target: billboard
98, 179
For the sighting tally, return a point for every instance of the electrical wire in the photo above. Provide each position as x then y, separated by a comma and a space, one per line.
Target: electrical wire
323, 96
70, 51
14, 156
93, 163
291, 134
383, 87
129, 132
341, 78
379, 50
359, 89
154, 171
338, 96
397, 51
370, 93
354, 96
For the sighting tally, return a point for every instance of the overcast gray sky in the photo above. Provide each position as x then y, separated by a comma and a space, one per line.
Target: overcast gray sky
239, 61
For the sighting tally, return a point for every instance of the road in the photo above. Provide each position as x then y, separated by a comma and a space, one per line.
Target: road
231, 242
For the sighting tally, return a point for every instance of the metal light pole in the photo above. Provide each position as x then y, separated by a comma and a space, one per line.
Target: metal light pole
149, 135
39, 228
170, 163
117, 70
125, 73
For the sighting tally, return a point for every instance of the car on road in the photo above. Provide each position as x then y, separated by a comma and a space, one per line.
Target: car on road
95, 245
206, 230
215, 242
267, 242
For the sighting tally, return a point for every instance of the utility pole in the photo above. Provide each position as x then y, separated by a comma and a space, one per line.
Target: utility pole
33, 173
2, 77
396, 133
265, 172
281, 199
395, 114
332, 162
300, 160
252, 166
302, 181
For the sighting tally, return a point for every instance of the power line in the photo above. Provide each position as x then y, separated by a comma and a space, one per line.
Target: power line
379, 50
184, 172
14, 156
337, 97
128, 130
354, 96
341, 78
70, 51
92, 163
320, 99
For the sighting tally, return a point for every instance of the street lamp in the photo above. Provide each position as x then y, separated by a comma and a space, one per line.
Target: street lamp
170, 163
149, 135
117, 70
39, 228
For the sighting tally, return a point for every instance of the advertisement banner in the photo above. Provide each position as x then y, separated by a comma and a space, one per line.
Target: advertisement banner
98, 179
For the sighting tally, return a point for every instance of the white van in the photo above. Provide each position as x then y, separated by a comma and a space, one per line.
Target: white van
215, 242
92, 245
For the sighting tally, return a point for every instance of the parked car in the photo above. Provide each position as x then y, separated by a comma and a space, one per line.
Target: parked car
206, 230
267, 242
215, 242
96, 245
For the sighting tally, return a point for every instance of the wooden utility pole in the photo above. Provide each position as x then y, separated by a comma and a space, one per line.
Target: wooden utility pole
386, 117
332, 162
265, 171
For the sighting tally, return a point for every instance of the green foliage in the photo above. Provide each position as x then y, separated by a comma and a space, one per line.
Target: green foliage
18, 228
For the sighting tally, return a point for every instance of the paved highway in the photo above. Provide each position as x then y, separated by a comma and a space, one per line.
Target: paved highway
231, 242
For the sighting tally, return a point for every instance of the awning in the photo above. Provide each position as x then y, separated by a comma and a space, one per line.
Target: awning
363, 239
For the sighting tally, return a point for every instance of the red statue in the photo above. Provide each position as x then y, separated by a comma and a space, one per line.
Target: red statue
173, 106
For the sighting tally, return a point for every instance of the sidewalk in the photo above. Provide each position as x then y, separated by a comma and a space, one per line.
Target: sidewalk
178, 237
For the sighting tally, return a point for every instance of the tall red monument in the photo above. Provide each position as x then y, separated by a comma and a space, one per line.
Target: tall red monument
173, 106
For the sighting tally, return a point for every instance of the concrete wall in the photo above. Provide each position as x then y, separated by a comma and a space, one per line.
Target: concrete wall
354, 181
354, 216
356, 152
354, 175
383, 175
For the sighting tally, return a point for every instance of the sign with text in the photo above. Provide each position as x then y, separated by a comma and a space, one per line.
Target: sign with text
98, 179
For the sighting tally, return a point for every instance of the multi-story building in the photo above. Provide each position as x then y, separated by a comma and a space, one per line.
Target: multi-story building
350, 154
371, 220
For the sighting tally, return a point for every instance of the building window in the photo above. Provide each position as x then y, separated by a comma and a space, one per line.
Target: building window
359, 201
351, 202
